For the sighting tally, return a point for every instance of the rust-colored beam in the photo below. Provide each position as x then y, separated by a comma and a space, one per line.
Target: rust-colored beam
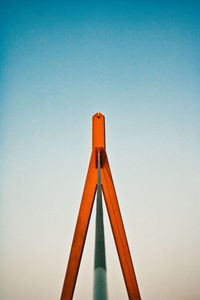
118, 231
80, 231
98, 131
98, 144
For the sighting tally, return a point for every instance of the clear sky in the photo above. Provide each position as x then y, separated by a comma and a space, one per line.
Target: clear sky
138, 63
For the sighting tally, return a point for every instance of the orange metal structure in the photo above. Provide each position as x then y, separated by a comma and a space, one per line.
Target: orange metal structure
98, 143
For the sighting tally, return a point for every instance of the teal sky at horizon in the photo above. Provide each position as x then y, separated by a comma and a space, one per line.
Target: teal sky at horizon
138, 63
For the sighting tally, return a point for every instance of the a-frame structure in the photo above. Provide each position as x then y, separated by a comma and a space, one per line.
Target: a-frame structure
98, 146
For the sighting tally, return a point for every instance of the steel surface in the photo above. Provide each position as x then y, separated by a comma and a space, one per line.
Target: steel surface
98, 144
119, 231
98, 131
100, 283
80, 231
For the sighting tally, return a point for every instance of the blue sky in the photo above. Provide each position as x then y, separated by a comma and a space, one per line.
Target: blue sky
138, 63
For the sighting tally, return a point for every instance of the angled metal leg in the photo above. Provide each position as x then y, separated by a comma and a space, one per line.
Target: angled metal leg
80, 231
118, 230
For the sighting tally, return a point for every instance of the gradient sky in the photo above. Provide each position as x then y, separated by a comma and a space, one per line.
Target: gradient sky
138, 63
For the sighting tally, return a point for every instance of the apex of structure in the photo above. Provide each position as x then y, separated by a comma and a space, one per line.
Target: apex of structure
98, 115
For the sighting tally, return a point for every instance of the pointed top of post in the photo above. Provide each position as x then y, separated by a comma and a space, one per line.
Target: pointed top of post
98, 115
98, 131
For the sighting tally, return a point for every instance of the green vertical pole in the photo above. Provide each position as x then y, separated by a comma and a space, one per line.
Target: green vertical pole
100, 286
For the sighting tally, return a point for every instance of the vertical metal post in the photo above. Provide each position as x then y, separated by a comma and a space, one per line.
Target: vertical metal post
100, 285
